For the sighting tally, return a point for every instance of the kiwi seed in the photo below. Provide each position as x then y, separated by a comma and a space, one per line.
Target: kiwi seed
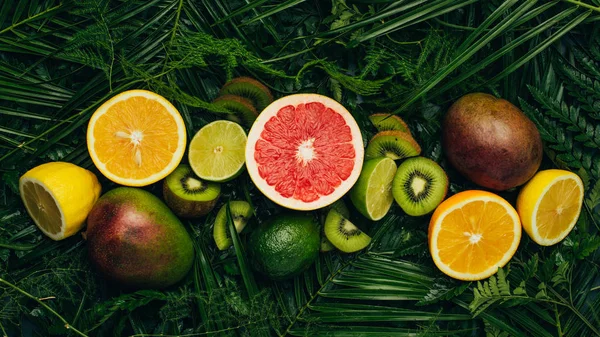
243, 110
419, 186
187, 195
241, 212
393, 144
343, 234
251, 89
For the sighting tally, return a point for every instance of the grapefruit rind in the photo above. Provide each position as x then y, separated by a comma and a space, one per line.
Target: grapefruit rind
441, 212
177, 155
255, 134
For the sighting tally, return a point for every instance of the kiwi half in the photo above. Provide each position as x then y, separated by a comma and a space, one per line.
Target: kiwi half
389, 122
187, 195
249, 88
419, 186
392, 144
243, 110
241, 212
343, 234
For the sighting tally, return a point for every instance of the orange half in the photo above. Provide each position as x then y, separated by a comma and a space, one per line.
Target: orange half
472, 234
136, 138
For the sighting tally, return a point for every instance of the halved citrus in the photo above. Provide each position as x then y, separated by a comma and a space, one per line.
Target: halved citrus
59, 196
549, 205
472, 234
136, 138
304, 151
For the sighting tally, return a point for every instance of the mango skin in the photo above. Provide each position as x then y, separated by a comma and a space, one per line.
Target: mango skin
491, 142
136, 241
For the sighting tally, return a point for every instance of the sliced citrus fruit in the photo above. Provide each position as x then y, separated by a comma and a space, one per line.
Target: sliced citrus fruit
472, 234
217, 151
372, 195
136, 138
59, 196
304, 151
549, 205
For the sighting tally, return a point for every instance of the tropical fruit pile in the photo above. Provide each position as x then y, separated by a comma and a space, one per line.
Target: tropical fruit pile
304, 152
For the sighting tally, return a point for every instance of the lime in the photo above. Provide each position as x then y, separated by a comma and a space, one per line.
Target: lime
59, 196
217, 151
372, 194
285, 245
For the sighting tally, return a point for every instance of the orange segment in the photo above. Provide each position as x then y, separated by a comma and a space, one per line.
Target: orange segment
473, 233
549, 205
136, 138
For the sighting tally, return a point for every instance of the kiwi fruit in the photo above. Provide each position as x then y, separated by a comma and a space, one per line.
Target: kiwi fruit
343, 234
392, 144
249, 88
243, 110
339, 206
419, 186
389, 122
241, 212
187, 195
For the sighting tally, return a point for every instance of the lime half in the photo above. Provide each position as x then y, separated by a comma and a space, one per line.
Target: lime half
372, 193
217, 151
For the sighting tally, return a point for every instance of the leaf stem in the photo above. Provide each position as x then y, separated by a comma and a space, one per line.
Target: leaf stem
18, 247
583, 4
23, 292
31, 18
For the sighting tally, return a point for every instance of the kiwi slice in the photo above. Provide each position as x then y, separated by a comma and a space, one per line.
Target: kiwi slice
343, 234
339, 206
251, 89
392, 144
388, 122
241, 212
419, 186
243, 110
187, 195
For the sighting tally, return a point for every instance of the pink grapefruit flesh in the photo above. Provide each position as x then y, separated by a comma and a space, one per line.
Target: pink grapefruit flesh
304, 151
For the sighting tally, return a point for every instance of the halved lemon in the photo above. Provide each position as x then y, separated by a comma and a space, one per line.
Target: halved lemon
59, 196
549, 205
136, 138
472, 234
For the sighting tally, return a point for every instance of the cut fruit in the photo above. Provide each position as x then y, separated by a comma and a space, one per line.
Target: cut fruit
549, 205
388, 122
217, 151
392, 144
243, 110
136, 138
419, 186
326, 245
304, 151
372, 194
472, 234
343, 234
189, 196
59, 196
249, 88
241, 212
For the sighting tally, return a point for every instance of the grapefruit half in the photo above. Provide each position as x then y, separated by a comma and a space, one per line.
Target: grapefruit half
304, 151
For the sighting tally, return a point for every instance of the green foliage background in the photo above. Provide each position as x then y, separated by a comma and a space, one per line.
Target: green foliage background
59, 60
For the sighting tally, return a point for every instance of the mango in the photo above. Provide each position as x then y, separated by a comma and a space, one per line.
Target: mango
135, 240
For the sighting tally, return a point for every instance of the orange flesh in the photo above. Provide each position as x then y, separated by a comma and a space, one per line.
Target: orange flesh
118, 131
475, 237
558, 208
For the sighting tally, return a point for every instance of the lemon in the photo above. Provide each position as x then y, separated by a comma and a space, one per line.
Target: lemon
58, 196
549, 205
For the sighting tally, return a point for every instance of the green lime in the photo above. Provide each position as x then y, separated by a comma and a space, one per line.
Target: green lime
285, 245
217, 151
372, 193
